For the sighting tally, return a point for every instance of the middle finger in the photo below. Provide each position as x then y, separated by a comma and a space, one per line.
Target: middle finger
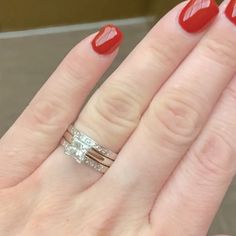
176, 115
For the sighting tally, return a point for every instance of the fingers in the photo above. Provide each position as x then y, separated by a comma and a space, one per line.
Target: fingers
38, 130
195, 191
177, 114
115, 109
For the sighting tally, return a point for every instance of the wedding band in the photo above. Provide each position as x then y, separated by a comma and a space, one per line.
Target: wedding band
94, 154
87, 140
87, 151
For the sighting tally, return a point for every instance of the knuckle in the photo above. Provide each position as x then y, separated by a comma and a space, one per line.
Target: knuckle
176, 117
118, 106
49, 210
45, 114
158, 52
213, 156
74, 66
21, 167
220, 52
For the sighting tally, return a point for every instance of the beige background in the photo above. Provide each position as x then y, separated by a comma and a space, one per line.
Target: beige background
26, 14
27, 59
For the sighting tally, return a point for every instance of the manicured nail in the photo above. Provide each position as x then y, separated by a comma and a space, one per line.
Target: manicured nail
230, 11
107, 40
197, 14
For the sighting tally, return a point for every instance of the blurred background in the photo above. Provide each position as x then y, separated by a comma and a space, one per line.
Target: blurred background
36, 35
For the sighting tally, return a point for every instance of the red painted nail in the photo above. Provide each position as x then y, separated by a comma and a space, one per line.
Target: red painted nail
230, 11
197, 14
107, 40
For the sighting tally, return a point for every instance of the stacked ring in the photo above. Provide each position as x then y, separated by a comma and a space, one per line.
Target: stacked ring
87, 151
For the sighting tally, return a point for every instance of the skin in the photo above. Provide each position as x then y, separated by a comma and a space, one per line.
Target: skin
169, 110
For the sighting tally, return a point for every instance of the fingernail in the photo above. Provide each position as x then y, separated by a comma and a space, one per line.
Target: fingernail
197, 14
107, 40
230, 11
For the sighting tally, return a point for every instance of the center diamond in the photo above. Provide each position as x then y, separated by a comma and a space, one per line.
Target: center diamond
81, 148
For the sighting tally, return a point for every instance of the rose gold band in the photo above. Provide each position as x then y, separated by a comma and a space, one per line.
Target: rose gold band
104, 151
92, 153
86, 150
88, 161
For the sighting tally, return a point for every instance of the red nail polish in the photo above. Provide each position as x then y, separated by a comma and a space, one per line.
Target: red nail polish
230, 11
197, 14
107, 40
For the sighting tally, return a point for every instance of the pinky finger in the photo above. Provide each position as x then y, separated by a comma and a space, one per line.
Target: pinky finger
192, 196
39, 129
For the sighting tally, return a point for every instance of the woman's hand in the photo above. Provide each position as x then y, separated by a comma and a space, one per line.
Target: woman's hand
168, 110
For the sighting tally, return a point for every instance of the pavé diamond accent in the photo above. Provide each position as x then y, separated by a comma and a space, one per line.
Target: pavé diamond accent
79, 146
